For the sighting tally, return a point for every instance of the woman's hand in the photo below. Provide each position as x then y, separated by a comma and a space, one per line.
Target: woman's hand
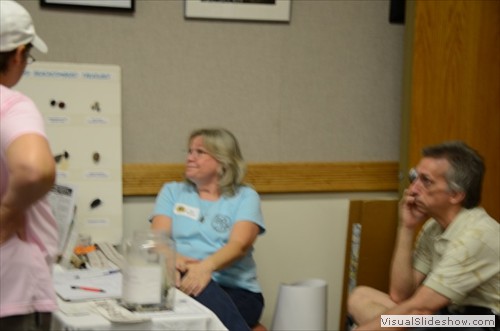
11, 223
196, 277
181, 263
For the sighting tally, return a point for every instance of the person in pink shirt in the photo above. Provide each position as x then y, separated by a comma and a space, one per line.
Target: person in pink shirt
28, 230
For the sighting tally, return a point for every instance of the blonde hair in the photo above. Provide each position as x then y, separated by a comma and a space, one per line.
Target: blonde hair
222, 145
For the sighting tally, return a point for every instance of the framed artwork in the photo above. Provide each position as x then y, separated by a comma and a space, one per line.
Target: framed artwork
254, 10
122, 5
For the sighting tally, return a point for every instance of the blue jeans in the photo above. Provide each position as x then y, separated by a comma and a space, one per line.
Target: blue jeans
237, 309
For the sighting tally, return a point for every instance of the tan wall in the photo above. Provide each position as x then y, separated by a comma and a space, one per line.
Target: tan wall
324, 87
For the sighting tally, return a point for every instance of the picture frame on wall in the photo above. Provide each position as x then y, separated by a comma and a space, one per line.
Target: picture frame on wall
253, 10
120, 5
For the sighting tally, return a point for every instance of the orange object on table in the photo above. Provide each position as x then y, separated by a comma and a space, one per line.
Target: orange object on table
81, 250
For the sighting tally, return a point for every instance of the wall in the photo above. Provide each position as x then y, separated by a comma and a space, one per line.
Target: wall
324, 87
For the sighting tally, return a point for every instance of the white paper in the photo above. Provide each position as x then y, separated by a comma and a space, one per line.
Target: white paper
62, 199
105, 279
74, 308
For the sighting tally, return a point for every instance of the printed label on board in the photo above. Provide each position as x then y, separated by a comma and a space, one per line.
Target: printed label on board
97, 221
57, 119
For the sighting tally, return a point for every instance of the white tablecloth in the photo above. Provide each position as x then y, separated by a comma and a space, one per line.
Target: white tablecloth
188, 314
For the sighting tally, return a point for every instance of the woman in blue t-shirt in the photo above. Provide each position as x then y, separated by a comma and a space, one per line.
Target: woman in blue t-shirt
215, 220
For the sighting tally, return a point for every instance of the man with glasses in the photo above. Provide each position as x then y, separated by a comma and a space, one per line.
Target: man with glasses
454, 268
28, 230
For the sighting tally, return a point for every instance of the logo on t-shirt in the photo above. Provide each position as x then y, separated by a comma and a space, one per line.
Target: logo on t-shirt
221, 223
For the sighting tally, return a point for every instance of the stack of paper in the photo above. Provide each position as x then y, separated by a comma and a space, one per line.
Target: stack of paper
88, 284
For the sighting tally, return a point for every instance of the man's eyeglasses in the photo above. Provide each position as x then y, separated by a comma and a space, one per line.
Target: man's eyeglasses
413, 175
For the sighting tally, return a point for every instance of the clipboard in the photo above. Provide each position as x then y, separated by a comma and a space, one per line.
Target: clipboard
81, 285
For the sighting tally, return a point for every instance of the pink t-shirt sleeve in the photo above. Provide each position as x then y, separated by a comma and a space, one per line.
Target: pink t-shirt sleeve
20, 118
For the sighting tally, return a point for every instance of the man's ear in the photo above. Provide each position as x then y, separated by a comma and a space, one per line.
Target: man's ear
457, 197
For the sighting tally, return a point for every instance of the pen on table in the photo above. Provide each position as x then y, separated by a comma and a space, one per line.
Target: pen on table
87, 288
104, 273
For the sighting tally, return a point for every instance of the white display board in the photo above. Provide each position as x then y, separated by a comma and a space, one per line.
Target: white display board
81, 105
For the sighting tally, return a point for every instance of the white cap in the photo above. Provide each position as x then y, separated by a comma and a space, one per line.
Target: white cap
16, 28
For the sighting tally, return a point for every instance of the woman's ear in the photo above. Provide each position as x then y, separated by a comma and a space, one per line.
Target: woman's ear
221, 171
19, 55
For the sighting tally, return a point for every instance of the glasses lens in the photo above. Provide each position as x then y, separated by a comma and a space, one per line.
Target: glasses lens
412, 175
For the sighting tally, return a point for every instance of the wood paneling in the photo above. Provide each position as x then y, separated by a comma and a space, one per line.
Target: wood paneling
454, 85
378, 220
147, 179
